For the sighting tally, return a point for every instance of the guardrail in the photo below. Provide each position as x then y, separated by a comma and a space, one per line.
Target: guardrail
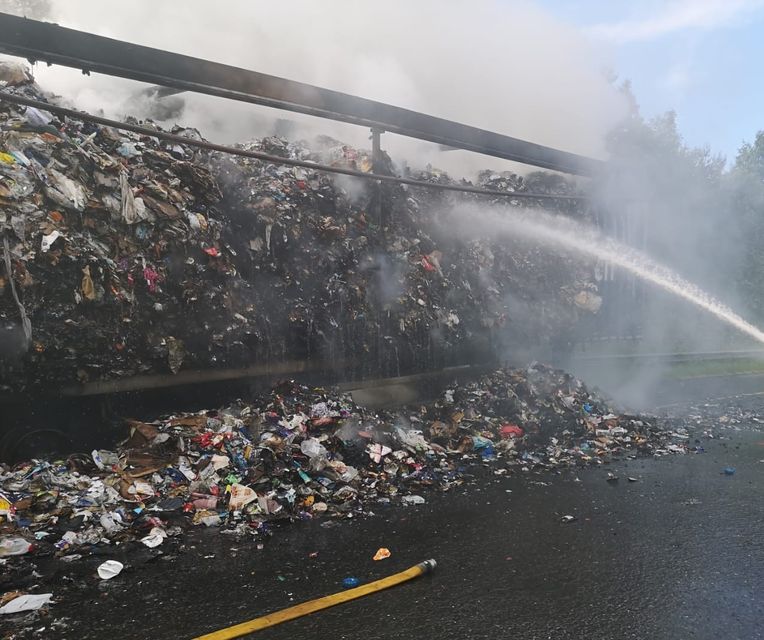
671, 357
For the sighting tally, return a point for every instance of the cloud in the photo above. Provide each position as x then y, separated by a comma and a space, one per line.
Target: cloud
677, 15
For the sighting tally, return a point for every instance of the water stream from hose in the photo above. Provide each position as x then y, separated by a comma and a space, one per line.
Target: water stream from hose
568, 234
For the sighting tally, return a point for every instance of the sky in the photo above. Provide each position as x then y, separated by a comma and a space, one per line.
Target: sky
701, 58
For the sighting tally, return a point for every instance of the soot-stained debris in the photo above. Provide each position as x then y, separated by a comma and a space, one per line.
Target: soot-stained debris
130, 255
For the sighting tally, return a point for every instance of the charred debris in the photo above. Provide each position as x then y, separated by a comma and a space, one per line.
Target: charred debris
126, 255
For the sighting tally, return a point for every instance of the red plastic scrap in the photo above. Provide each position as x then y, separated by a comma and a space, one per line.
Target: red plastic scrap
511, 431
152, 277
212, 251
428, 266
204, 439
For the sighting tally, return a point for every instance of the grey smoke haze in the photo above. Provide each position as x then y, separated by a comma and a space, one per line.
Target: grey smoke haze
672, 203
705, 324
501, 65
559, 232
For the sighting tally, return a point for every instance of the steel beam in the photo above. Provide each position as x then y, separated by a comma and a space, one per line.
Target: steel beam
50, 43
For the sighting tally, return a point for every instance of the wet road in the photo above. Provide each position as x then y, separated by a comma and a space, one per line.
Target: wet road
678, 554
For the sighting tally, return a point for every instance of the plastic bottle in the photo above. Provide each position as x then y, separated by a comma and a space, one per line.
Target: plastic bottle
14, 547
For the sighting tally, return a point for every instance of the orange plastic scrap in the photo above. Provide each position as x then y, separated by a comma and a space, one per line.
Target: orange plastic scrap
382, 553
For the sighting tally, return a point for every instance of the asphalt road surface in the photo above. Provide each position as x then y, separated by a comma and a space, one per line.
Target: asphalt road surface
677, 554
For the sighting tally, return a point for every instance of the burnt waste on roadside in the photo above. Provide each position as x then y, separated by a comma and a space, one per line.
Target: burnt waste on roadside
301, 453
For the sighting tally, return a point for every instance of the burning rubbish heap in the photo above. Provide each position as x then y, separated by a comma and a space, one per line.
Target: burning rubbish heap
301, 453
131, 255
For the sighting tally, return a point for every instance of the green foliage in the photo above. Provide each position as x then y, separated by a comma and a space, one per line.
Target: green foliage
750, 157
685, 207
670, 196
746, 180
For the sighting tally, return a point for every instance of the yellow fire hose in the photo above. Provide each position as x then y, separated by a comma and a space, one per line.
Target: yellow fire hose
312, 606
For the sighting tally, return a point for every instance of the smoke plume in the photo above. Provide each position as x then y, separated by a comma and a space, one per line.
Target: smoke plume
501, 65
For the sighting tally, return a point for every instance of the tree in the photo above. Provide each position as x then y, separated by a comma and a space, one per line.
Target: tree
746, 182
750, 158
668, 199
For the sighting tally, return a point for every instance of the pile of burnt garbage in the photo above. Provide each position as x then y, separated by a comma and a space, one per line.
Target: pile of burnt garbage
300, 453
125, 254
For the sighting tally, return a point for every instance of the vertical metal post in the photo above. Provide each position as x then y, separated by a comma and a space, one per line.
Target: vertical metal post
376, 149
376, 167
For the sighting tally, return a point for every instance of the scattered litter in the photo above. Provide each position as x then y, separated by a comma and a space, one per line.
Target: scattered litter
110, 569
568, 518
382, 554
27, 602
14, 546
728, 471
349, 583
303, 452
155, 538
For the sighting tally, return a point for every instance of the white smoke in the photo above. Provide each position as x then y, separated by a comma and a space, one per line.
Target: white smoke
562, 232
501, 65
